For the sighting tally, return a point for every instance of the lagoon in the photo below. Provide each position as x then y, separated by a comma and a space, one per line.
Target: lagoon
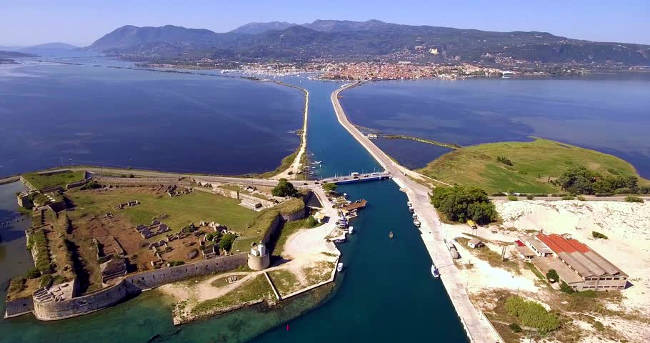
612, 116
63, 114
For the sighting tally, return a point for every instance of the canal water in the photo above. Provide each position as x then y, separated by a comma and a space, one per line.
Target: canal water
385, 294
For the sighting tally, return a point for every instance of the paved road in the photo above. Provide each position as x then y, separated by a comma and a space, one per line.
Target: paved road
476, 325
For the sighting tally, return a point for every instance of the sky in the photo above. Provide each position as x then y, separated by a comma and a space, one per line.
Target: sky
80, 22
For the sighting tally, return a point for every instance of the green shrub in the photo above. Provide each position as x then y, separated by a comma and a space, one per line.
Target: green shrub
631, 198
515, 327
46, 280
581, 198
568, 197
597, 234
33, 273
552, 276
598, 326
461, 203
530, 197
311, 221
532, 314
226, 241
566, 288
176, 263
284, 188
504, 160
329, 187
512, 198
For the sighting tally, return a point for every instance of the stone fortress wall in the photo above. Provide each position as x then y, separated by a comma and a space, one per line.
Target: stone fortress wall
128, 287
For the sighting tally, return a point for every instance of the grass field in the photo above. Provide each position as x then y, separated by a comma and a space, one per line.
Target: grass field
258, 288
533, 164
180, 211
40, 181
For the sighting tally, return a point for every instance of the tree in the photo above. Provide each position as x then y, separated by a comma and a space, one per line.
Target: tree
226, 241
284, 189
460, 203
552, 276
578, 180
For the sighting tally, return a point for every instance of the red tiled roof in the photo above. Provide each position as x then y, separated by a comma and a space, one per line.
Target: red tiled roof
559, 244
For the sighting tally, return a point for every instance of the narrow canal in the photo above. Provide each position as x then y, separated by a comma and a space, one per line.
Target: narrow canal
386, 293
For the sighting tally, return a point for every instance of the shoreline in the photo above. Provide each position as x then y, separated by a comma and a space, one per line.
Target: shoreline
476, 325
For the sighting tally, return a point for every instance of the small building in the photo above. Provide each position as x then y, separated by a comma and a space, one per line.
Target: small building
578, 265
475, 243
259, 258
539, 248
524, 252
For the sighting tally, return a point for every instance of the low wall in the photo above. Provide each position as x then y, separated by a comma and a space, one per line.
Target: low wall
19, 307
54, 310
132, 285
158, 277
273, 230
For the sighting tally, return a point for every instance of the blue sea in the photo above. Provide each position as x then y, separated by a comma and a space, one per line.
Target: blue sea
607, 115
56, 114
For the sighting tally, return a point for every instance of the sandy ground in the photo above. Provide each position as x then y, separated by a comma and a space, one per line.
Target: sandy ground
626, 224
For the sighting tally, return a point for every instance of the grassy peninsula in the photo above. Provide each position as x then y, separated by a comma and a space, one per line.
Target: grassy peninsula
527, 167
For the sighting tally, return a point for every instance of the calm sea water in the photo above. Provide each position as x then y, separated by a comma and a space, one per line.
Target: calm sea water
386, 293
612, 116
54, 114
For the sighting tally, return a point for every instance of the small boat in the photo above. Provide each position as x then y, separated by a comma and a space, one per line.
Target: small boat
411, 209
410, 204
339, 267
415, 216
434, 271
416, 223
391, 235
351, 229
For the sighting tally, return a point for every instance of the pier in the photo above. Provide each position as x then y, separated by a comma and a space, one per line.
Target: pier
477, 326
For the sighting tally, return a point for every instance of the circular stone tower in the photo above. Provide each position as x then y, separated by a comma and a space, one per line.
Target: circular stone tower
258, 257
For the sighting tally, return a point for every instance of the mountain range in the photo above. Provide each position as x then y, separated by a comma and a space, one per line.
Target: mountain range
367, 40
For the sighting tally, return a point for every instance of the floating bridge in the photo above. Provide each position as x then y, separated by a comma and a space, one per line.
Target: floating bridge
356, 178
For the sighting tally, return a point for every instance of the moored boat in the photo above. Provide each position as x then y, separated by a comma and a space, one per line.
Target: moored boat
391, 235
339, 267
434, 271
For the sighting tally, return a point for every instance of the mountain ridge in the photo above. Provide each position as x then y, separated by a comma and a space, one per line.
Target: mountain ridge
362, 40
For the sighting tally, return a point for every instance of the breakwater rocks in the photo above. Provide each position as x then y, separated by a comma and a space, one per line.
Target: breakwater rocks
128, 287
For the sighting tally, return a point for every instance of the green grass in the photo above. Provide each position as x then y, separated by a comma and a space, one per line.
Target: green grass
39, 181
258, 227
285, 281
533, 164
257, 288
180, 210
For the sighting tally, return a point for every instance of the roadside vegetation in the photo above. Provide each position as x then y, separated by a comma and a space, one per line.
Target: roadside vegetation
524, 167
580, 180
459, 204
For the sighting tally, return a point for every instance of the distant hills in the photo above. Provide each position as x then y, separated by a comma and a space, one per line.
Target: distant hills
367, 40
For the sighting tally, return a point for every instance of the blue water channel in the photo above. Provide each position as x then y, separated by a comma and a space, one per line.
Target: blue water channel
385, 294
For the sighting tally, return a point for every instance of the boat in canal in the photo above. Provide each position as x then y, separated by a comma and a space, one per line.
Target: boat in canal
434, 271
